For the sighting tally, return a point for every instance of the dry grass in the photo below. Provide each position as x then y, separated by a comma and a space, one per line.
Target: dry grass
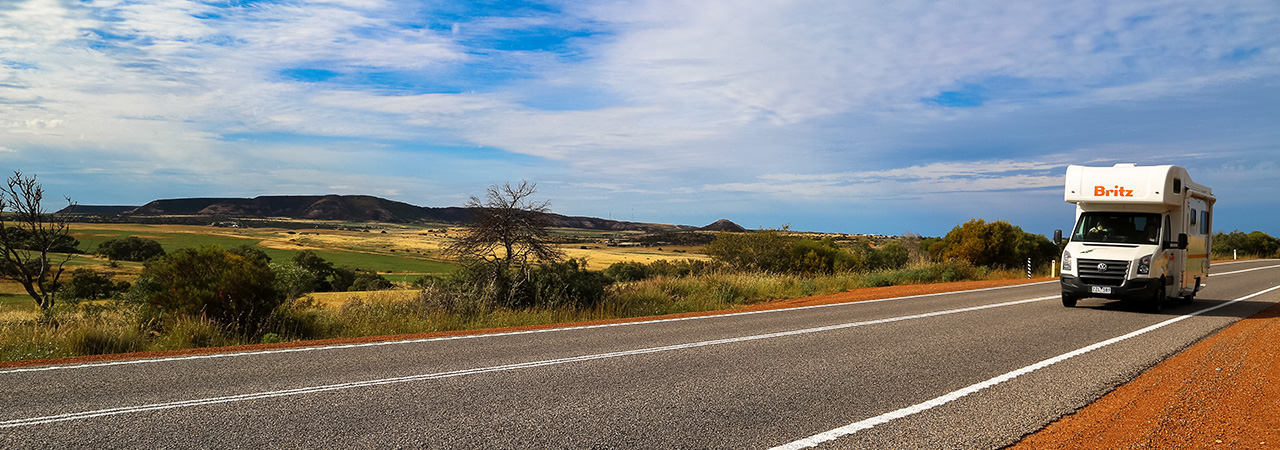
338, 299
599, 256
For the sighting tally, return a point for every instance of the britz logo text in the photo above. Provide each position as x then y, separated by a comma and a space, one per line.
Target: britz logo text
1119, 191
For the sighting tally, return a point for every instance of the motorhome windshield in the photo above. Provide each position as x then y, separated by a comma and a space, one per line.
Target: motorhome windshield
1118, 228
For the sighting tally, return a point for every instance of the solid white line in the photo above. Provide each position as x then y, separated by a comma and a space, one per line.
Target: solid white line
855, 427
476, 336
1241, 261
432, 376
1241, 271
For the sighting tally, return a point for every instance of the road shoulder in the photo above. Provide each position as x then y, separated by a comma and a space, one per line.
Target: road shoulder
1220, 393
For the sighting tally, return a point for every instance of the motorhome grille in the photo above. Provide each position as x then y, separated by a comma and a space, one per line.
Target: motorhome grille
1102, 272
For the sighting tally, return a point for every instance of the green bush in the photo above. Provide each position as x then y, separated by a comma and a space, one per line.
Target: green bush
754, 251
88, 284
294, 281
1236, 243
997, 244
131, 248
226, 287
328, 277
568, 284
369, 281
628, 271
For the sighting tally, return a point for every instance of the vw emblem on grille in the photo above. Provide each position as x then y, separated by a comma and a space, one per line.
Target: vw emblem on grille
1102, 267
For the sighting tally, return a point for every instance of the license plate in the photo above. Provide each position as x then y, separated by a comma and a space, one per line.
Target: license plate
1100, 289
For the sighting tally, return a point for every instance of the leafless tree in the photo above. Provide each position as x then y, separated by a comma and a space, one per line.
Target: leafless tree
30, 239
507, 228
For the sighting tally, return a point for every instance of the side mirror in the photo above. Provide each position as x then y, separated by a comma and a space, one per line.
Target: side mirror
1057, 237
1182, 241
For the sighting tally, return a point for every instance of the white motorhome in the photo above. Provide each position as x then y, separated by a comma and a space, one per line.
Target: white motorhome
1141, 233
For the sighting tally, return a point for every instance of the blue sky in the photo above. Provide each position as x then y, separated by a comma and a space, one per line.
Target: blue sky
839, 116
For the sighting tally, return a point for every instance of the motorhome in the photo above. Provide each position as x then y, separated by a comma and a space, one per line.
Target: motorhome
1142, 233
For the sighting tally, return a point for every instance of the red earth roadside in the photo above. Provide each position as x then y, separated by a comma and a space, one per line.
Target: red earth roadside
1220, 393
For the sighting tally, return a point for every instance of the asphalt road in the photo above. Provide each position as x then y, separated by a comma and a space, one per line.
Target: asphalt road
976, 369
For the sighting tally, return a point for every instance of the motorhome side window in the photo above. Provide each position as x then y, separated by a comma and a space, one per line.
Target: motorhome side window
1193, 216
1204, 222
1118, 228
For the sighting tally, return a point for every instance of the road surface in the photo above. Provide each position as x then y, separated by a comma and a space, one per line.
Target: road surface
974, 369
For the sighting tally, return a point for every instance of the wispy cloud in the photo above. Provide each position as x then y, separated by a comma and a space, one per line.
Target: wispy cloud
625, 100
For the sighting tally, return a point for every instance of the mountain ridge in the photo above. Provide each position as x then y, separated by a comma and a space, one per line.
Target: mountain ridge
362, 208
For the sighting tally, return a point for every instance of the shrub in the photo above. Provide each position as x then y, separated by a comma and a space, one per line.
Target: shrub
130, 248
997, 244
88, 284
628, 271
568, 284
1236, 243
294, 281
211, 282
369, 281
328, 277
757, 251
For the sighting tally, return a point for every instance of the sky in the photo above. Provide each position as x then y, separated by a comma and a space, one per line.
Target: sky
835, 116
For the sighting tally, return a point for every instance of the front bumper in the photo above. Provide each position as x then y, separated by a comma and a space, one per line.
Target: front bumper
1132, 289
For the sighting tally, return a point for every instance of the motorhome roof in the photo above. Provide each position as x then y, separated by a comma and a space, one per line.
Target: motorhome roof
1131, 183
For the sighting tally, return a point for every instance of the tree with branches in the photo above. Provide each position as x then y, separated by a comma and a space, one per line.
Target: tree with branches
507, 228
30, 239
507, 236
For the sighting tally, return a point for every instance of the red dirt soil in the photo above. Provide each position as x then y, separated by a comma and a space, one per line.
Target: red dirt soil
1220, 393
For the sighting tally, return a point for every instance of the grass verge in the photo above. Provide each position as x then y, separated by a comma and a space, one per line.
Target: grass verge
98, 328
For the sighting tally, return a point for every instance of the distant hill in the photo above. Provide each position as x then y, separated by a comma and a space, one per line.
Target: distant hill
724, 225
356, 208
96, 210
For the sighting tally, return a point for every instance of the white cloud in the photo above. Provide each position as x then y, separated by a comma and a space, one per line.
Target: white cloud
906, 182
782, 99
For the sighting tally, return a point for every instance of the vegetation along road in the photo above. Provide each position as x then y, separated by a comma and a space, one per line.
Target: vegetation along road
973, 369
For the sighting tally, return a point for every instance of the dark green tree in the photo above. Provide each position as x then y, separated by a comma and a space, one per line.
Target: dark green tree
328, 277
130, 248
995, 244
766, 250
365, 280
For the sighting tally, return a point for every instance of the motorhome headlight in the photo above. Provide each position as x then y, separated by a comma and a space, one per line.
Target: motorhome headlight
1066, 261
1144, 265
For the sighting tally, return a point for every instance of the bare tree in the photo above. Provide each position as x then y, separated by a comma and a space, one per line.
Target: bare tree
507, 228
29, 239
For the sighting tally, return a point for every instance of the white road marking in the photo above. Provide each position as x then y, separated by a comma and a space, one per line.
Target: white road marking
1241, 271
855, 427
474, 336
501, 368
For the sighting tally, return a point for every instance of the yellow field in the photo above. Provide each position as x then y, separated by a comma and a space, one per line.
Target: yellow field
599, 256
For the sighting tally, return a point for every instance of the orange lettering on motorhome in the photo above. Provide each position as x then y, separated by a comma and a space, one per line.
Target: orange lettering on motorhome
1119, 191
